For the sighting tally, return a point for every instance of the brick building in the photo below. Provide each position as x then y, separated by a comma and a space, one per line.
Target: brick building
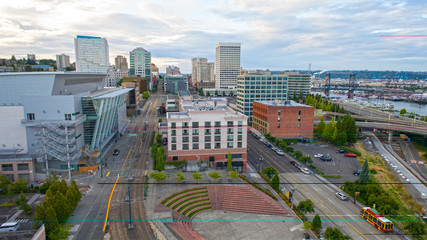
283, 119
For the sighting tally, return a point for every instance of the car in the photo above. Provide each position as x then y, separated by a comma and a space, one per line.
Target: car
116, 152
280, 152
357, 172
341, 196
318, 155
249, 131
292, 163
350, 155
305, 170
268, 145
274, 148
299, 166
326, 159
9, 227
341, 151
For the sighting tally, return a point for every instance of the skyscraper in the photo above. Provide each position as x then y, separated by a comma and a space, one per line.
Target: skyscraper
227, 64
91, 54
62, 61
140, 63
202, 73
121, 63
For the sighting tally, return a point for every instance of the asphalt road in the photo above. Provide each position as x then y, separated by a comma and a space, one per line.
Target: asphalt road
411, 153
333, 212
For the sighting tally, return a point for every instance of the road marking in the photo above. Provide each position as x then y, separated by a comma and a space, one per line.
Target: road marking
109, 201
140, 145
127, 158
146, 171
107, 174
414, 159
311, 193
296, 227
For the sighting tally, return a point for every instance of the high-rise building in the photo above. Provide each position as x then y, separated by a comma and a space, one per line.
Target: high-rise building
202, 73
263, 86
227, 65
62, 61
92, 54
140, 63
121, 63
172, 70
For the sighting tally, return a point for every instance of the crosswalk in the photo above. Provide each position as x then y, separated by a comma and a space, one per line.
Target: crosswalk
22, 220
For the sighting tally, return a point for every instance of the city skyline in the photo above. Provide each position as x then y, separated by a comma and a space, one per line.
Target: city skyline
277, 35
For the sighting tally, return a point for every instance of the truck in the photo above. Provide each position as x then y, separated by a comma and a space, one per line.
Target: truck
403, 137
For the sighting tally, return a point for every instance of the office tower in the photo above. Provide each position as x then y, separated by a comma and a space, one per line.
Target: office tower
91, 54
140, 63
202, 73
227, 65
121, 63
62, 61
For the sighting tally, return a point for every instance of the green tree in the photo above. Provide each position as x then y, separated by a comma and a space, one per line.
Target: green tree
403, 111
316, 224
352, 131
297, 154
60, 204
214, 175
146, 95
179, 176
233, 174
4, 183
216, 92
335, 234
60, 232
46, 215
340, 135
294, 97
307, 225
119, 83
160, 166
275, 182
269, 172
364, 175
229, 162
22, 200
208, 94
320, 127
158, 138
197, 176
416, 228
328, 132
76, 192
231, 93
306, 159
158, 176
300, 96
20, 185
305, 206
223, 93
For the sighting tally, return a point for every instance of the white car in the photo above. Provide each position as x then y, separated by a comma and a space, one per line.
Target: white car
341, 196
318, 155
280, 152
9, 227
305, 170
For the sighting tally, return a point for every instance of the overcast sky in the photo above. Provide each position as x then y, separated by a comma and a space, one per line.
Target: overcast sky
275, 34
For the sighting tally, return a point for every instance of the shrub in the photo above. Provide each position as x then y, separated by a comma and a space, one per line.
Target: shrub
28, 210
352, 150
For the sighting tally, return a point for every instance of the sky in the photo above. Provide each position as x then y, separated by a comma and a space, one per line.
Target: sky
274, 34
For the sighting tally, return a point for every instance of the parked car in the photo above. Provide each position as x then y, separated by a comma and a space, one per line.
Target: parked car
9, 227
350, 155
280, 152
116, 152
341, 196
326, 159
357, 172
292, 163
341, 151
249, 131
268, 145
274, 148
299, 166
318, 155
305, 170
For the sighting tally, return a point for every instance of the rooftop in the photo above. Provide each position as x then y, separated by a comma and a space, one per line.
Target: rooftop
279, 103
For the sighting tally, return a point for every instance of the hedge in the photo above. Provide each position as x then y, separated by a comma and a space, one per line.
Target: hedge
175, 163
352, 150
331, 176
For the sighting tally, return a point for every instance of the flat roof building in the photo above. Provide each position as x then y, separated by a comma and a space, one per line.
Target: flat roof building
175, 83
92, 54
227, 64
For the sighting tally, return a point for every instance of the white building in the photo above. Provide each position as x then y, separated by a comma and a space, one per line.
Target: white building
140, 63
92, 54
202, 72
62, 61
207, 130
114, 76
227, 65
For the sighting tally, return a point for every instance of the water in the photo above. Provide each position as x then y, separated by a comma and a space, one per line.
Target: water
417, 108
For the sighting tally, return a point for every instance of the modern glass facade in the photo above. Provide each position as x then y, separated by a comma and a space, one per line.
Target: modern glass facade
140, 63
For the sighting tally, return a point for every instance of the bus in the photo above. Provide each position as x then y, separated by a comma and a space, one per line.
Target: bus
376, 219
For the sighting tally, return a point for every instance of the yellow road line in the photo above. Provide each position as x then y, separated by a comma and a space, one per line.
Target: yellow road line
313, 195
140, 145
107, 174
109, 201
126, 158
146, 171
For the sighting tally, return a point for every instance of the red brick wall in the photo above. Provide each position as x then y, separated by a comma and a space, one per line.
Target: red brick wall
289, 121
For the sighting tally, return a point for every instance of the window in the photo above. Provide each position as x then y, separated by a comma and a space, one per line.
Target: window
30, 116
230, 145
230, 131
239, 131
217, 145
195, 146
173, 146
175, 158
185, 139
278, 112
239, 144
299, 124
217, 131
195, 131
217, 138
230, 124
11, 177
67, 116
207, 145
22, 166
217, 124
207, 132
185, 132
299, 119
173, 140
185, 124
184, 146
173, 133
7, 167
230, 138
207, 124
299, 112
239, 123
239, 137
25, 176
207, 138
173, 125
195, 124
195, 139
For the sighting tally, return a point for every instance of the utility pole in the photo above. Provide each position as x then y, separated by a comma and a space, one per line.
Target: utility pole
130, 211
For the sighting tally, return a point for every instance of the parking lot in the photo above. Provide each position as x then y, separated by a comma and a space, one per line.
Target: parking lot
342, 166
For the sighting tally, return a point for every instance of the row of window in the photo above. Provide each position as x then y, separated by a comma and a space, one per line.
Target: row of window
207, 138
9, 167
216, 145
207, 124
32, 116
207, 132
